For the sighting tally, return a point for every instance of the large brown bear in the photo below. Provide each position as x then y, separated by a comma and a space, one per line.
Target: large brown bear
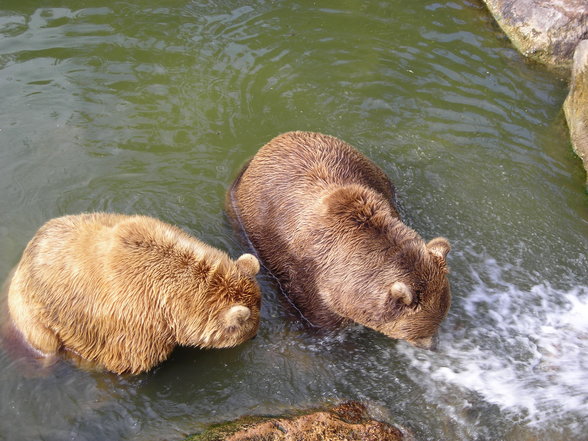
321, 217
122, 291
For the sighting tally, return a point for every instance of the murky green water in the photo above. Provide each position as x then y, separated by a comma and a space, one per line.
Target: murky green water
152, 107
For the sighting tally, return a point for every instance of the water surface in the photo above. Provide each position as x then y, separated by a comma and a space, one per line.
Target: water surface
150, 107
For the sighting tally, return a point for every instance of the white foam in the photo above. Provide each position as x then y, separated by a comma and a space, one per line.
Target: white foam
524, 350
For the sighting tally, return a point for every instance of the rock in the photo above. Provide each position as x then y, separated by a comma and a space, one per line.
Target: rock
349, 421
546, 31
576, 103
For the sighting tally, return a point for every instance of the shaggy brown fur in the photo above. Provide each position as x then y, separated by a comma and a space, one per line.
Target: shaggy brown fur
321, 217
123, 291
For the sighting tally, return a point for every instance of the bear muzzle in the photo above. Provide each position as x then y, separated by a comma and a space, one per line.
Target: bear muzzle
429, 343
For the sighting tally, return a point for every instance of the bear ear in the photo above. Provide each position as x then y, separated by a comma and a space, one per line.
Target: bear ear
401, 292
396, 299
248, 264
439, 247
237, 315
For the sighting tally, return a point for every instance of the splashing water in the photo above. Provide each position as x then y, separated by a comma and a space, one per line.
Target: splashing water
524, 350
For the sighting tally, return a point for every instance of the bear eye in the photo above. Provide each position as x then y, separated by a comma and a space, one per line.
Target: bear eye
417, 289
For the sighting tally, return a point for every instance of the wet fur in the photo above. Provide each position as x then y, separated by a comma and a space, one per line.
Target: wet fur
321, 216
123, 291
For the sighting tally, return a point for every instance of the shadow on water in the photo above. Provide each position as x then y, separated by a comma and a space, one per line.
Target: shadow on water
152, 108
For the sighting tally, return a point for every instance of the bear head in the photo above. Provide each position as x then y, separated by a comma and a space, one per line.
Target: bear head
229, 314
379, 272
415, 304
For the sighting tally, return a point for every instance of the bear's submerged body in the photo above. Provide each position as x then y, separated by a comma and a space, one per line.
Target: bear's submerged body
122, 291
321, 217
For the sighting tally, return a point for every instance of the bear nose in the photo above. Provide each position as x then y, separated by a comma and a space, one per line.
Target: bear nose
429, 343
434, 343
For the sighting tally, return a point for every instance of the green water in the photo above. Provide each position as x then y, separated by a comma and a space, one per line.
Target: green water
152, 107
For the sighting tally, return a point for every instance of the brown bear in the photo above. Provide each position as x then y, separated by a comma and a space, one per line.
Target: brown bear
322, 219
122, 291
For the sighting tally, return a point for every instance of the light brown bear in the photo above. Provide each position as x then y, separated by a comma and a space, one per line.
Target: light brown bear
122, 291
321, 217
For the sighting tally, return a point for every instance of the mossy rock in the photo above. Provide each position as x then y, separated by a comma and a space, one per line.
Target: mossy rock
576, 104
348, 421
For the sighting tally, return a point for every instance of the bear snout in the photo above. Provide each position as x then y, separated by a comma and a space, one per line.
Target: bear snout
429, 343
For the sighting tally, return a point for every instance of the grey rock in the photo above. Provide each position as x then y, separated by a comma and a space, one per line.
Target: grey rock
546, 31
